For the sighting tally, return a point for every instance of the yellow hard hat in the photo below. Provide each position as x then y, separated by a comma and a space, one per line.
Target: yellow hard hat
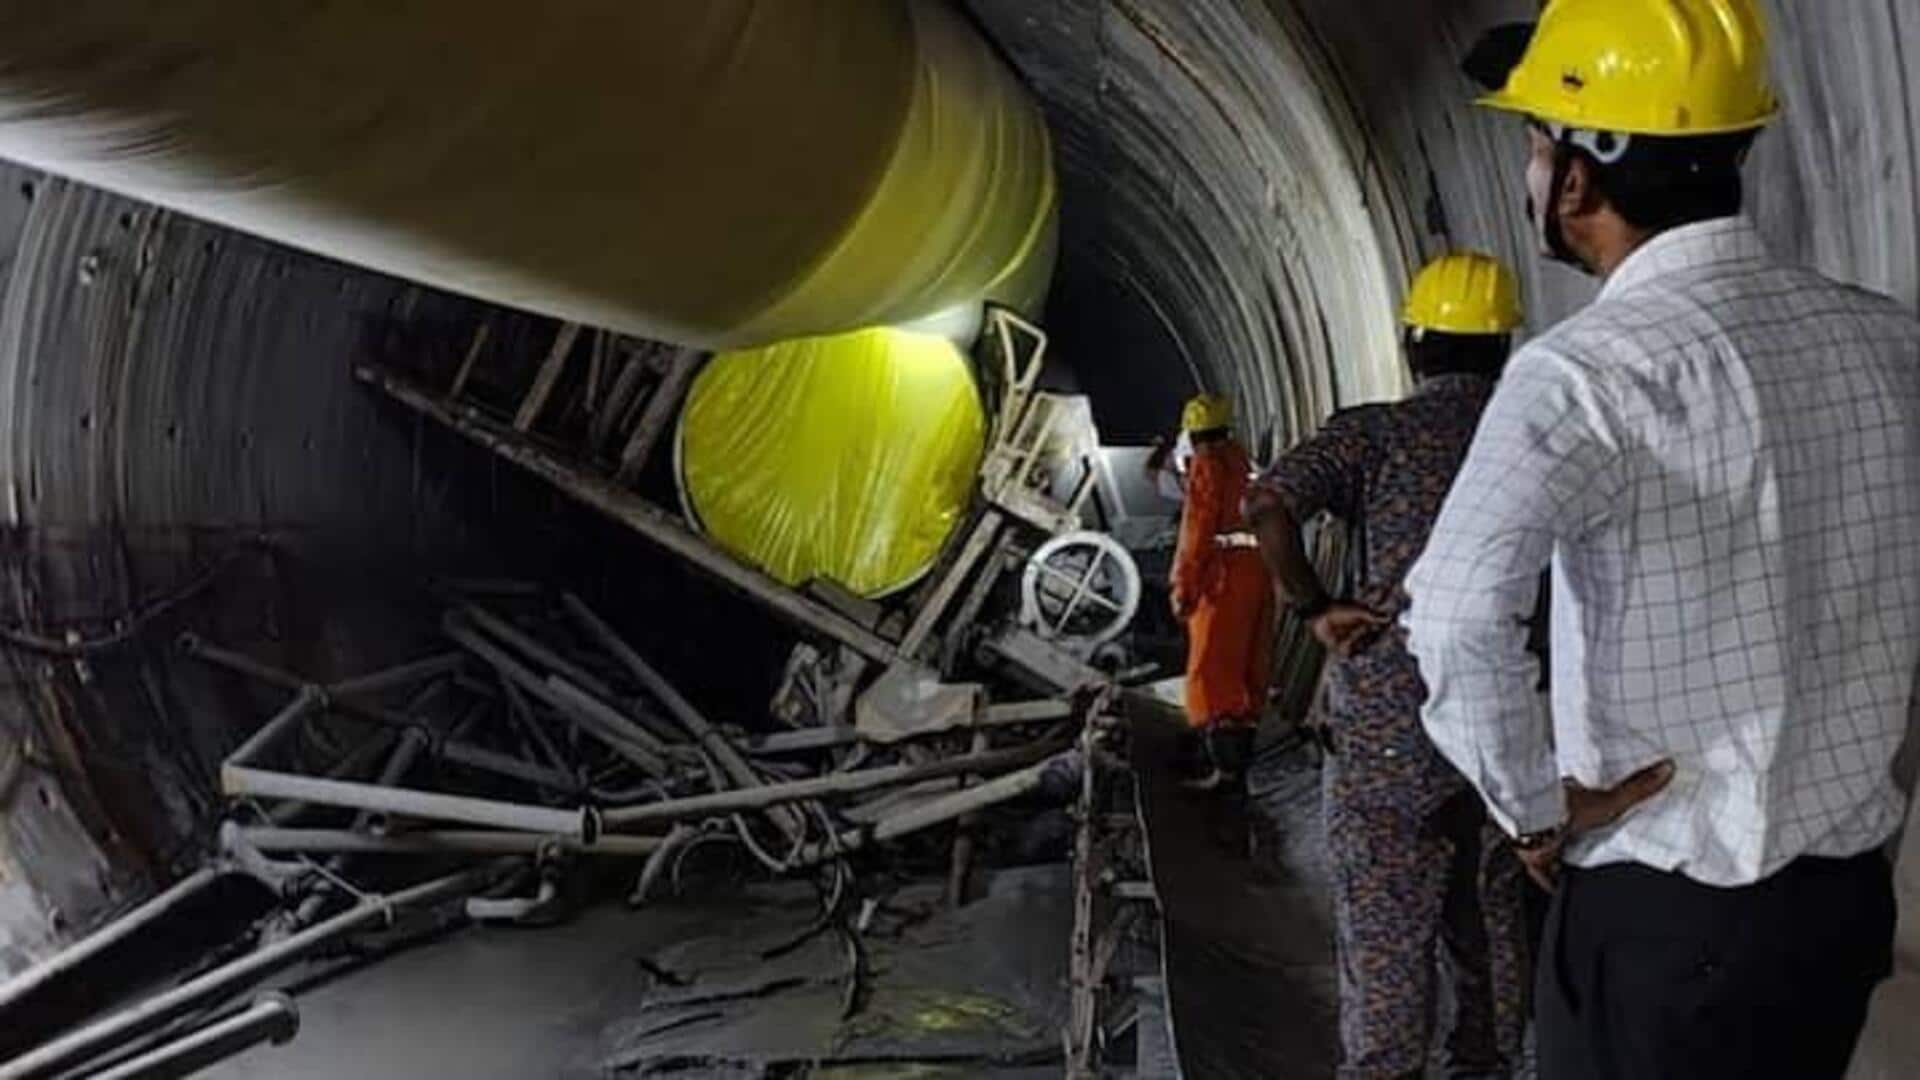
1464, 293
1206, 413
1645, 67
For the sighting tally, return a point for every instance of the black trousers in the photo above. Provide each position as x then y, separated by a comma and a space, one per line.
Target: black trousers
1649, 976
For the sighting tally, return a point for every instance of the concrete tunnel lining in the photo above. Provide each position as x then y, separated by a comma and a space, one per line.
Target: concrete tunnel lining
1255, 177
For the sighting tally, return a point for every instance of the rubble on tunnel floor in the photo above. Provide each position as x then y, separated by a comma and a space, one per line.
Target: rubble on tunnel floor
536, 760
540, 759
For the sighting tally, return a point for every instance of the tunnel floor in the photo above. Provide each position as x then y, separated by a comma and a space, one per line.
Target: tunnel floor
707, 987
1249, 944
1251, 972
688, 989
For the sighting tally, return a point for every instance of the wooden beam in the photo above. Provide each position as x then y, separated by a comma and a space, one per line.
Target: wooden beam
549, 376
634, 512
659, 413
473, 356
597, 356
620, 397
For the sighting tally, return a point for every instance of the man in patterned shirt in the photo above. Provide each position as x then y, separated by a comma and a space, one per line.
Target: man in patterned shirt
1720, 461
1415, 861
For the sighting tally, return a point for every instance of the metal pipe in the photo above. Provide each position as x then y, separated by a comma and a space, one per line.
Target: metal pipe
241, 780
461, 753
825, 738
240, 663
952, 577
803, 740
475, 757
509, 634
308, 701
201, 649
576, 701
725, 754
732, 764
404, 675
930, 813
271, 1018
120, 929
657, 863
522, 714
512, 908
346, 841
359, 759
636, 513
102, 1035
616, 736
724, 802
405, 753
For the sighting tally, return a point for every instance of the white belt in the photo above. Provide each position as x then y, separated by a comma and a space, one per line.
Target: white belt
1236, 540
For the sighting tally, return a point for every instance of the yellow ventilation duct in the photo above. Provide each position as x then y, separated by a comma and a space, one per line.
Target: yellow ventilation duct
716, 173
848, 458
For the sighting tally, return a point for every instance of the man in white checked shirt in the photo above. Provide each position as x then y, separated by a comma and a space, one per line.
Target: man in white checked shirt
1720, 461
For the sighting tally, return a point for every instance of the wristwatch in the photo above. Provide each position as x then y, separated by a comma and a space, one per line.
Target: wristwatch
1536, 841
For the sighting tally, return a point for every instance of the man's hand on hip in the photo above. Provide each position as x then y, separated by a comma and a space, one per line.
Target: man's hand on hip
1347, 628
1593, 808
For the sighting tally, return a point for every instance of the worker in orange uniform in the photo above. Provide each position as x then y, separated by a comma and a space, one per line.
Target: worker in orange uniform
1221, 592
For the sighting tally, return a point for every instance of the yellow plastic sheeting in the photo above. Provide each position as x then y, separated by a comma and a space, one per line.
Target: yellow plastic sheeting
849, 458
718, 173
967, 202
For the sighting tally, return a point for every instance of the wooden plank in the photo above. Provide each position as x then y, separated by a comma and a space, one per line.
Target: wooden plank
473, 356
659, 413
953, 576
620, 397
598, 354
549, 376
643, 517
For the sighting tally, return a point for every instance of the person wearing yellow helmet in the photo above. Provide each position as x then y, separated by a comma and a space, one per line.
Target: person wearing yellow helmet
1220, 592
1647, 106
1712, 459
1417, 869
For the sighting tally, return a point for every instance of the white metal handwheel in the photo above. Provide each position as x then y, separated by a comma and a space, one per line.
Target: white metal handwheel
1080, 587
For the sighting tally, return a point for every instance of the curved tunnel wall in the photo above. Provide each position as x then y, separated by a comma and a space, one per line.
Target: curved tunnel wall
1251, 179
1213, 171
1177, 134
171, 392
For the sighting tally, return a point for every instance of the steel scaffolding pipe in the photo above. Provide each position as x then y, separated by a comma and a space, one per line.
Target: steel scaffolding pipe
133, 922
933, 812
271, 1018
438, 842
725, 754
313, 699
613, 730
732, 765
240, 780
727, 802
83, 1044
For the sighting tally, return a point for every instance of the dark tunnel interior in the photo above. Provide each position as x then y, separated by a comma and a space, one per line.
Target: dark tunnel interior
1245, 187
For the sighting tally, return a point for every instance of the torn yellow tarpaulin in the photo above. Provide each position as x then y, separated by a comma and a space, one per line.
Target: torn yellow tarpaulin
849, 458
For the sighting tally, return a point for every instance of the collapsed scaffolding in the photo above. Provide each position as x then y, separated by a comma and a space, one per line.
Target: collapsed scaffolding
541, 737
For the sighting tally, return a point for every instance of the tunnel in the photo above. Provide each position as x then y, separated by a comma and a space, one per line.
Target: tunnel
1244, 189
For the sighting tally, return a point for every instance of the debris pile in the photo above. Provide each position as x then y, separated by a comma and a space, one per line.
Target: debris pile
542, 732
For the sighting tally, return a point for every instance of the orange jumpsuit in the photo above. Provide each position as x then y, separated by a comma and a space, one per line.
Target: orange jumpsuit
1226, 591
